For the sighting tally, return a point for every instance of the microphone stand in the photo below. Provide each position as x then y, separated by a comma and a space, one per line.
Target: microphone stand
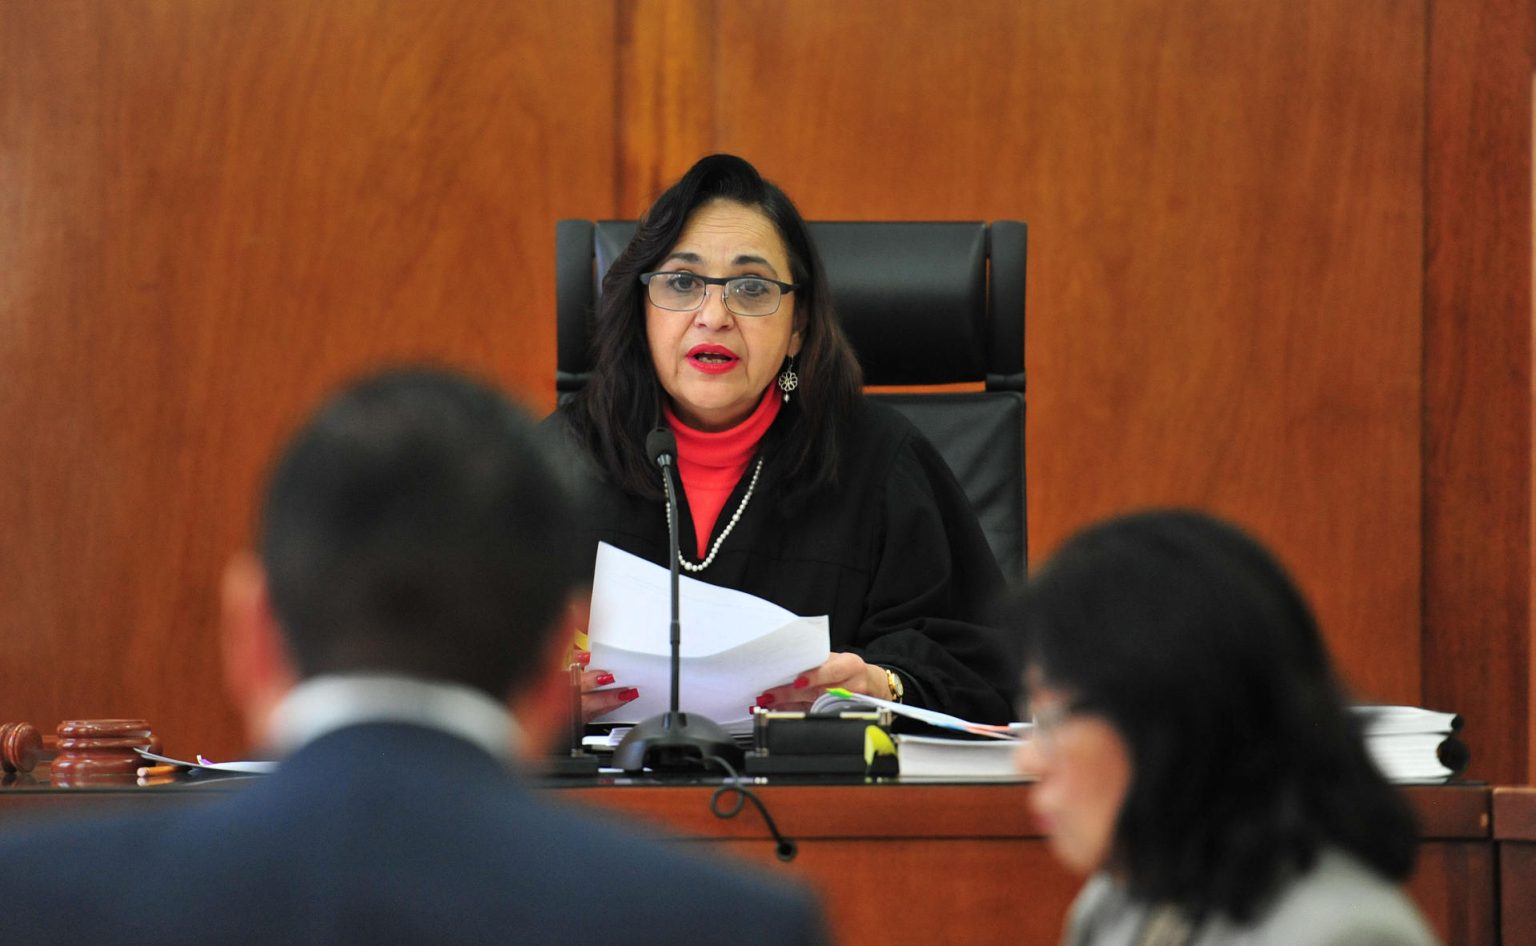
674, 741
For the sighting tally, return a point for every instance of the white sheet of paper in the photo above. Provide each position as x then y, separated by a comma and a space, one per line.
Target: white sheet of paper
734, 645
260, 767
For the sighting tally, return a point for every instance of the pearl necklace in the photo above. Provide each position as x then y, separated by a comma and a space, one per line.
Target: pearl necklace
735, 517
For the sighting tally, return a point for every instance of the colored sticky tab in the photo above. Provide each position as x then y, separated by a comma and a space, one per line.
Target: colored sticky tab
877, 742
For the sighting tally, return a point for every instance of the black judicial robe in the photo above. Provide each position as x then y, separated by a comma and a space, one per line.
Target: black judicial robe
893, 555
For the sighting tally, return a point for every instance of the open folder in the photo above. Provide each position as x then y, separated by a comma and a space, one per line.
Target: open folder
734, 645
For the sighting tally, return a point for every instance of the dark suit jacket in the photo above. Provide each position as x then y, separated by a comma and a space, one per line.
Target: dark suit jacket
382, 833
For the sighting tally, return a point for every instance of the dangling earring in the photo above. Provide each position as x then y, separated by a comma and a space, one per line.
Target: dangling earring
788, 380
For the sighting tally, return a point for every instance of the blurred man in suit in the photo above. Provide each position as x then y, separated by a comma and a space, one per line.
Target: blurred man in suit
414, 582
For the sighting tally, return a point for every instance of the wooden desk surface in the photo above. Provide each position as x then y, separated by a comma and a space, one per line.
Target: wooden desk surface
956, 862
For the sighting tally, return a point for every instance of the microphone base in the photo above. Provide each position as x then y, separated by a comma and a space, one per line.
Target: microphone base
569, 765
676, 742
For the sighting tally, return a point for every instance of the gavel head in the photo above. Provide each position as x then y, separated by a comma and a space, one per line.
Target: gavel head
20, 747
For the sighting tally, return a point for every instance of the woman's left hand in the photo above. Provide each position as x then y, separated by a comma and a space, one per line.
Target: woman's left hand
848, 671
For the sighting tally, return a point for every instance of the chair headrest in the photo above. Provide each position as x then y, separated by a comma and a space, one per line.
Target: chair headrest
912, 297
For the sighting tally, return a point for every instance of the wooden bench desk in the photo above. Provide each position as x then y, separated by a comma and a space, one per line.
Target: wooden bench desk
955, 862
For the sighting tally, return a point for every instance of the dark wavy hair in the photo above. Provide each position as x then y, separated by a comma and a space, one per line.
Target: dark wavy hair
622, 401
417, 525
1191, 640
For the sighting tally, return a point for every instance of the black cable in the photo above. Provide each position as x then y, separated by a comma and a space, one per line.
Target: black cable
784, 848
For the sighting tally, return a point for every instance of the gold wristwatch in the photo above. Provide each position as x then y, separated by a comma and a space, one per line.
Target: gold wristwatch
893, 680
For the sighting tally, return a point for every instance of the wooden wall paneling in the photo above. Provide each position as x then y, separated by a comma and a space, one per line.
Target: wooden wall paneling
978, 891
665, 102
1453, 880
1477, 380
1514, 827
960, 863
966, 863
213, 213
919, 863
1517, 909
1225, 203
1454, 887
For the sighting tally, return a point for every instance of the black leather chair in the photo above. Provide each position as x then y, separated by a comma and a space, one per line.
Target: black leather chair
923, 304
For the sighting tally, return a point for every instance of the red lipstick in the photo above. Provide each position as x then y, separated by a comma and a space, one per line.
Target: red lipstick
712, 359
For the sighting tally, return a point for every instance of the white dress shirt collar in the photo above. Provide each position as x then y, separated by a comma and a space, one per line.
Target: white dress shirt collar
324, 704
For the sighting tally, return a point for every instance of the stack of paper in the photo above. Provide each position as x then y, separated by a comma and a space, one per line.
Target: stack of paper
937, 757
1411, 744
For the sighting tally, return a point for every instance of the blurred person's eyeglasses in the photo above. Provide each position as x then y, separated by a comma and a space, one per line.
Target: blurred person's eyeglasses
1049, 720
751, 296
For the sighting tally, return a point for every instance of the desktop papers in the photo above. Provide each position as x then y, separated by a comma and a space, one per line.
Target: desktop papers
261, 767
1413, 744
943, 758
734, 645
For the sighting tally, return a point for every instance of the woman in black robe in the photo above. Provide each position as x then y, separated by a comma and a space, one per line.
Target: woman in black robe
717, 321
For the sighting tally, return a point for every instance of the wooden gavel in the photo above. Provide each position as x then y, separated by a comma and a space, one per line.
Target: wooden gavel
21, 747
89, 750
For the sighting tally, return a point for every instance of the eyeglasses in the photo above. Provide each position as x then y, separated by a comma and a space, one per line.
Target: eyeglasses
751, 296
1049, 720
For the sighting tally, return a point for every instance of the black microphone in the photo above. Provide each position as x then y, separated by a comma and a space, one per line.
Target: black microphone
674, 741
661, 447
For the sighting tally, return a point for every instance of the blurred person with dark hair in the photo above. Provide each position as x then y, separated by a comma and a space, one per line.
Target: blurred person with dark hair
1195, 752
413, 588
717, 322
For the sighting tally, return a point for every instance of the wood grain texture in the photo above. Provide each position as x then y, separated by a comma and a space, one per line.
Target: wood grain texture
829, 811
1477, 375
1454, 881
665, 106
1280, 269
923, 863
1455, 812
965, 863
213, 212
920, 892
1517, 879
1514, 813
1225, 203
1454, 886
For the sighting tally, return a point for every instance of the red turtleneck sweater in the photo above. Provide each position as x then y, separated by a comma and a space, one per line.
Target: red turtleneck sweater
712, 462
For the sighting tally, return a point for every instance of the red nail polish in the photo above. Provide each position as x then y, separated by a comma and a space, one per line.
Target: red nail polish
802, 682
583, 657
604, 678
629, 694
765, 700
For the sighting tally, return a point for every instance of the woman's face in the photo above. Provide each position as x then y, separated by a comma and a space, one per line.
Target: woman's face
714, 364
1084, 772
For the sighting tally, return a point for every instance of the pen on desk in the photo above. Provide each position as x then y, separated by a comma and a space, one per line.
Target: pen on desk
150, 771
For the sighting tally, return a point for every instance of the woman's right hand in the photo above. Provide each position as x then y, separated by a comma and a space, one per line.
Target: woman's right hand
596, 701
